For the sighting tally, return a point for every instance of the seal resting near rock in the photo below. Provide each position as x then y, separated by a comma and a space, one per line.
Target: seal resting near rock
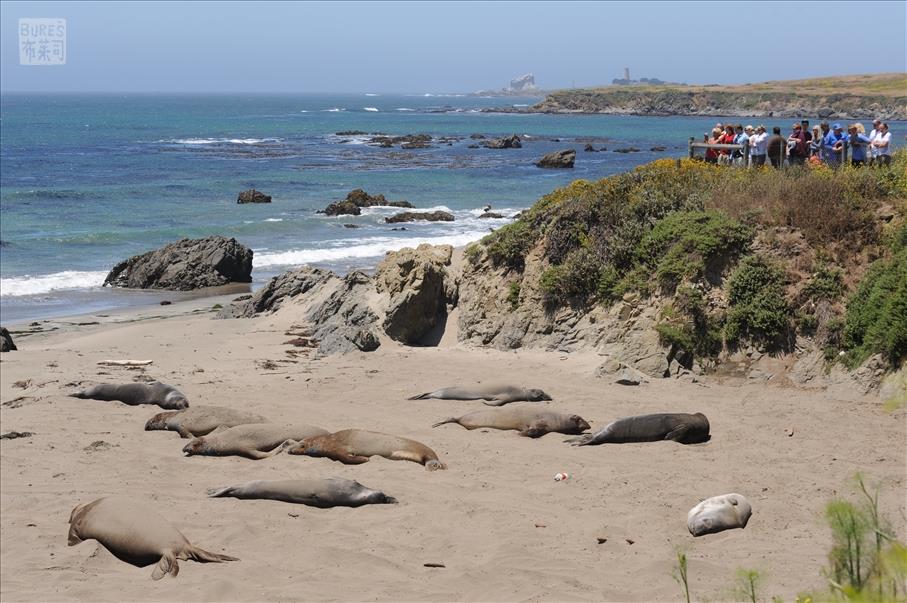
530, 422
492, 395
137, 534
200, 420
719, 513
153, 392
355, 446
255, 440
680, 427
323, 493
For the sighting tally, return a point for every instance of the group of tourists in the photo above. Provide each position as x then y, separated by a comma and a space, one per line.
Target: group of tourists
825, 144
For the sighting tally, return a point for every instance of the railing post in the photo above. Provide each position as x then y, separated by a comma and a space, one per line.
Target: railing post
691, 146
746, 154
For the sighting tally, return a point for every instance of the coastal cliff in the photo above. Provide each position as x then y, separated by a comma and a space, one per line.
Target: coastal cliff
851, 97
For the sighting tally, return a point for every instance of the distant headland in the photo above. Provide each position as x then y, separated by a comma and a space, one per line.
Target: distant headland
839, 97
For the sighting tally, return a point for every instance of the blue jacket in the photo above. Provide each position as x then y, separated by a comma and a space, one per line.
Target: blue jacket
832, 156
859, 144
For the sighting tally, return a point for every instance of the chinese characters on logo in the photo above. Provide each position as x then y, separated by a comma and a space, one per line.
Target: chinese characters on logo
42, 41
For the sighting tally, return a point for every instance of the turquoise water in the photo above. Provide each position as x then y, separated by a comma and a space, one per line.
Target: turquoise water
86, 181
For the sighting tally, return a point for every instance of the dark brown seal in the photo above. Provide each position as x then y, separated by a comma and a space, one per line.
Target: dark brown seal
153, 392
315, 492
680, 427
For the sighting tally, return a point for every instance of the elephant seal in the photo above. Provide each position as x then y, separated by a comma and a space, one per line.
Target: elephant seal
200, 420
530, 422
323, 493
719, 513
153, 392
492, 395
680, 427
355, 446
255, 440
137, 534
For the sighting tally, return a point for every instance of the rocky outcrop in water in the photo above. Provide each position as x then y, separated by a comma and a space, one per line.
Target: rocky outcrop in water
558, 159
408, 141
419, 290
341, 208
253, 196
412, 216
357, 199
507, 142
185, 265
6, 341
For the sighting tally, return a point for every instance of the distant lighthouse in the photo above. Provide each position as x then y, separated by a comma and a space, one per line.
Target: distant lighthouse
627, 73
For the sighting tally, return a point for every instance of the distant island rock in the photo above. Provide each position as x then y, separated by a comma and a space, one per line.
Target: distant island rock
412, 216
507, 142
185, 265
253, 196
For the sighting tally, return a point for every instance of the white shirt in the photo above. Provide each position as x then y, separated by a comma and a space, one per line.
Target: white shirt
873, 151
885, 141
759, 143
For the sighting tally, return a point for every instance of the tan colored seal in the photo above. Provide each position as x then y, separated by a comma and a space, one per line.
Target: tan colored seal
200, 420
254, 441
719, 513
492, 395
315, 492
137, 534
528, 420
355, 446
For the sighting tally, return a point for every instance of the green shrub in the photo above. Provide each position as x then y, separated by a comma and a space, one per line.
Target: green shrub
825, 284
757, 307
876, 320
473, 253
688, 327
513, 295
577, 277
684, 245
509, 244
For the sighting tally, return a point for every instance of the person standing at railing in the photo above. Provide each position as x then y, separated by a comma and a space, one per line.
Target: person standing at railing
741, 137
711, 154
815, 146
834, 142
882, 146
758, 142
797, 145
776, 147
859, 145
724, 155
876, 131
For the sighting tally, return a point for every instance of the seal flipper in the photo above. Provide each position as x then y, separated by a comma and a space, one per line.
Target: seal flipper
495, 401
587, 439
536, 430
678, 434
167, 565
424, 396
202, 556
219, 492
447, 420
79, 394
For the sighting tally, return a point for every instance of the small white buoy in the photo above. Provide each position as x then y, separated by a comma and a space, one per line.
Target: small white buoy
561, 477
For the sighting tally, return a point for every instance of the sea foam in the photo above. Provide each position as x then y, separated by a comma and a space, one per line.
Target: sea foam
16, 286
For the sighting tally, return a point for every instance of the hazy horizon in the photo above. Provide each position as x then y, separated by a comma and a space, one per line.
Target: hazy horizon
445, 47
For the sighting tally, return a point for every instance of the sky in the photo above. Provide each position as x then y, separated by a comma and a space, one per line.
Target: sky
418, 47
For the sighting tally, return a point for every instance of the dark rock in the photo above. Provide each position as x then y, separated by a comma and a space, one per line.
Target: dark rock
472, 146
253, 196
4, 243
415, 145
416, 282
352, 226
508, 142
589, 148
6, 341
185, 265
491, 214
342, 208
477, 136
412, 216
558, 159
13, 435
658, 149
627, 150
351, 133
360, 198
825, 112
165, 302
417, 141
399, 228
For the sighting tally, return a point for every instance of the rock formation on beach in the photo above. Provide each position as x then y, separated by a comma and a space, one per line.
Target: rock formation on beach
412, 216
558, 159
6, 341
253, 196
185, 265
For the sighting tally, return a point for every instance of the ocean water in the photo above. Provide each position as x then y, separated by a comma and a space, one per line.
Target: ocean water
87, 181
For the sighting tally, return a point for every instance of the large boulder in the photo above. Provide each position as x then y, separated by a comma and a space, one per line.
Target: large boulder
412, 216
253, 196
418, 287
507, 142
6, 341
336, 310
341, 208
558, 159
185, 265
357, 199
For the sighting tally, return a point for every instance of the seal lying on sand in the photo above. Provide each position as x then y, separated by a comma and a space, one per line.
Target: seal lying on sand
254, 441
680, 427
529, 421
492, 395
136, 534
719, 513
324, 493
200, 420
355, 446
153, 392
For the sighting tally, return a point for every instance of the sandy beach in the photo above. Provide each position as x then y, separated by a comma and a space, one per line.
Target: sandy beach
503, 528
